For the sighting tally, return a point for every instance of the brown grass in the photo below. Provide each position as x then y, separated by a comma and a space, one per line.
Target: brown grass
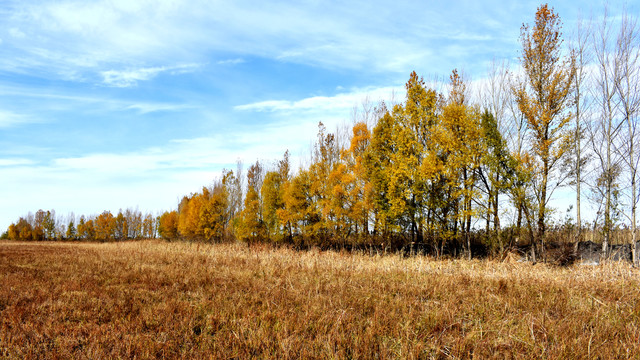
178, 300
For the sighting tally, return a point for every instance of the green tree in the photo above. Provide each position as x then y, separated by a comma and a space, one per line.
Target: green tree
49, 225
71, 230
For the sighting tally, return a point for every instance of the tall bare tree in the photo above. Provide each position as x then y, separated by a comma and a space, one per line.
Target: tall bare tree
581, 50
495, 97
628, 90
606, 128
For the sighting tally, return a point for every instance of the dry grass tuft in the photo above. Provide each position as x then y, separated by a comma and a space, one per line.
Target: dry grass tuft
156, 299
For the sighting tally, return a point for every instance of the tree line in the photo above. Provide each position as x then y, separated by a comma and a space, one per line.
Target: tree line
44, 225
453, 164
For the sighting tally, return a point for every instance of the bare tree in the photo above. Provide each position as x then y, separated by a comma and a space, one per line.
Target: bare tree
627, 86
583, 56
606, 127
495, 97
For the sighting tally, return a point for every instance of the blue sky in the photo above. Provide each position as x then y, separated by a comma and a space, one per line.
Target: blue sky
111, 104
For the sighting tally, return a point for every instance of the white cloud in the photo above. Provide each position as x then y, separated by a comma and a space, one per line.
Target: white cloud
10, 119
145, 108
231, 61
15, 162
126, 78
352, 35
17, 33
72, 102
343, 101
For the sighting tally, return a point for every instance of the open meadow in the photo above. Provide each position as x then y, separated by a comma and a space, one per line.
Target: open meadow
154, 299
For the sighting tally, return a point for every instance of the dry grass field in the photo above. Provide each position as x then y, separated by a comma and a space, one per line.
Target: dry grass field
153, 299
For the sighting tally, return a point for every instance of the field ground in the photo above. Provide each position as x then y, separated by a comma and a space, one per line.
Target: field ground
153, 299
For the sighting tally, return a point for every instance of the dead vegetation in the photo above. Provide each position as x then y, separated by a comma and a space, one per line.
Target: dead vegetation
154, 299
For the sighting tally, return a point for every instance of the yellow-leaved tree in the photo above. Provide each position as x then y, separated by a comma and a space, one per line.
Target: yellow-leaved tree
543, 98
462, 141
250, 225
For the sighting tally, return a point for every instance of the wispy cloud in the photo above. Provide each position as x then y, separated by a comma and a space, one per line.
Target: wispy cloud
145, 108
126, 78
61, 100
75, 62
16, 162
346, 100
10, 119
102, 34
16, 33
231, 61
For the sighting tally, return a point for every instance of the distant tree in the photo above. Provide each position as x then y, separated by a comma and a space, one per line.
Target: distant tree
271, 193
188, 209
105, 226
251, 226
82, 228
168, 225
38, 225
299, 213
22, 230
326, 155
49, 225
121, 231
216, 210
12, 232
149, 226
90, 229
71, 231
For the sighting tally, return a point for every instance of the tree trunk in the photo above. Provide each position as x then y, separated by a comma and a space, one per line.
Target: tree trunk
578, 165
607, 206
633, 225
496, 218
633, 206
467, 231
489, 210
542, 208
519, 221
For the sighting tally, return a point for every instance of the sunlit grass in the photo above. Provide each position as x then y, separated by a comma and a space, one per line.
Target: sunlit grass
157, 299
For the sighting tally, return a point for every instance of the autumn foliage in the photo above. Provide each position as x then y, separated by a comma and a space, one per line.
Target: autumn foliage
408, 178
44, 225
434, 172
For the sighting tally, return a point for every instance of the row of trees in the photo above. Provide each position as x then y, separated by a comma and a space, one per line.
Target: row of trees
431, 169
443, 167
410, 174
44, 225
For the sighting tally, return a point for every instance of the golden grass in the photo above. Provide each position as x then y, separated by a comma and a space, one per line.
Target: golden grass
180, 300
